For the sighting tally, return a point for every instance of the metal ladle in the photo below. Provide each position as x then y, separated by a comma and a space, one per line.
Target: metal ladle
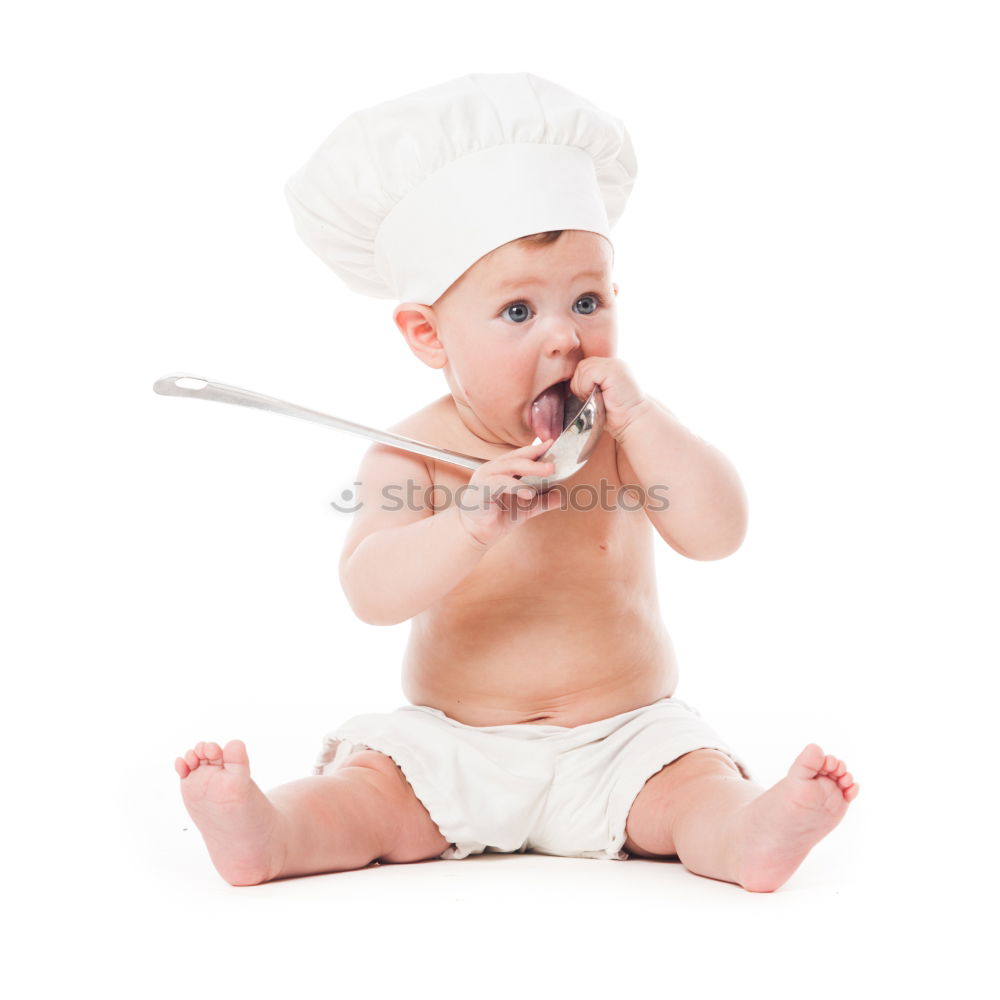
570, 451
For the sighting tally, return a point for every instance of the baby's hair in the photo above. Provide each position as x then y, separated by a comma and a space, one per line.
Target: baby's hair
541, 239
532, 240
544, 239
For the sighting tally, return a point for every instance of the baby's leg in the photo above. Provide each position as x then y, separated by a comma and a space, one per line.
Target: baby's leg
720, 825
365, 811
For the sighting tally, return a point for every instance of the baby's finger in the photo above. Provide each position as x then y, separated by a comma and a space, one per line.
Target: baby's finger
498, 485
514, 492
536, 446
543, 502
548, 500
514, 460
528, 467
509, 468
529, 451
511, 485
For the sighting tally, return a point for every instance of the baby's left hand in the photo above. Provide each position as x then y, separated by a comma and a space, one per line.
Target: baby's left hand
623, 399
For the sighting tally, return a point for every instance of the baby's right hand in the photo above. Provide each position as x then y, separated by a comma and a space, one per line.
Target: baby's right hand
494, 502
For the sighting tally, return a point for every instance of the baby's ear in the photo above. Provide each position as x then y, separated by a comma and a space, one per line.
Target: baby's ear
418, 325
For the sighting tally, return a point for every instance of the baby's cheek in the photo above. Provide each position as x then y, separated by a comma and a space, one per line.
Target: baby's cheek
601, 345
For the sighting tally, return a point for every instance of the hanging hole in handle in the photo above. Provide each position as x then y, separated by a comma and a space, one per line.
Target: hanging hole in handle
190, 383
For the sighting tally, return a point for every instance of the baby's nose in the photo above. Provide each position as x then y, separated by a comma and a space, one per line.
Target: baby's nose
560, 335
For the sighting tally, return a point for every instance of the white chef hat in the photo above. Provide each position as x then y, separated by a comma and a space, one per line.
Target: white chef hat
403, 197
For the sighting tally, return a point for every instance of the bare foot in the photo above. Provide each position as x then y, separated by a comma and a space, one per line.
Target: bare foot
238, 822
780, 827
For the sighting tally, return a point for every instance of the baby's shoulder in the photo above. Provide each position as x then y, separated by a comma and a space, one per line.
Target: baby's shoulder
383, 463
427, 419
438, 424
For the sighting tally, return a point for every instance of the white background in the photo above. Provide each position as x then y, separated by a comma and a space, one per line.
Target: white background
808, 270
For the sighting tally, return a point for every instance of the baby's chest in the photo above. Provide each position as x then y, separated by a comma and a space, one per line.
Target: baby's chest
596, 529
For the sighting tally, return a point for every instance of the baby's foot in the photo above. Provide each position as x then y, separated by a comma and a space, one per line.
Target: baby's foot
238, 822
779, 828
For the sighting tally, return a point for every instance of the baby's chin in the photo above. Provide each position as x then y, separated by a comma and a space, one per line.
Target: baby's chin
489, 432
519, 440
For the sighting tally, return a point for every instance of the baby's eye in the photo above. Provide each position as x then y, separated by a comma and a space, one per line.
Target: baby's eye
521, 307
596, 299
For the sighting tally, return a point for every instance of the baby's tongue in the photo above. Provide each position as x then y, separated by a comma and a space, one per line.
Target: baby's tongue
547, 412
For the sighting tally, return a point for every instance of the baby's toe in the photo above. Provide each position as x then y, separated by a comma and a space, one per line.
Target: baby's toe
235, 752
181, 767
192, 759
213, 753
808, 763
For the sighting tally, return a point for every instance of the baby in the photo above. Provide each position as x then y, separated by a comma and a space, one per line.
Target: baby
538, 670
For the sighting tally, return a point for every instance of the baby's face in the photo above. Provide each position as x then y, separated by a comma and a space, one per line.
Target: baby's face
520, 319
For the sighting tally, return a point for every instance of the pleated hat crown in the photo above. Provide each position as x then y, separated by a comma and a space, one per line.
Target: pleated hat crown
405, 196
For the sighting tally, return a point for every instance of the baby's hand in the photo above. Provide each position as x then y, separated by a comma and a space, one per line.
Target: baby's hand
494, 502
623, 399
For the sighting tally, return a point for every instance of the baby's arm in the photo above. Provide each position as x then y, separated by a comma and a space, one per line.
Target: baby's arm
707, 513
400, 557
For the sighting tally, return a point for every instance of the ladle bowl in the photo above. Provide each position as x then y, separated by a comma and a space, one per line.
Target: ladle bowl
570, 451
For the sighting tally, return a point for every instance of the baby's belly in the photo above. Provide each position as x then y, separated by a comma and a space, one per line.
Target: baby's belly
538, 663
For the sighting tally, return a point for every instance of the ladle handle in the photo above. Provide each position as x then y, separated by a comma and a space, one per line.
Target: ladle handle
199, 388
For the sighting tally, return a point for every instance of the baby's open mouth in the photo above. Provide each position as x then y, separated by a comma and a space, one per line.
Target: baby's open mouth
548, 410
